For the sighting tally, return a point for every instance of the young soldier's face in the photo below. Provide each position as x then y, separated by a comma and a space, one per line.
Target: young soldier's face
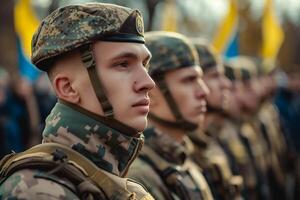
189, 92
218, 86
122, 70
234, 105
247, 96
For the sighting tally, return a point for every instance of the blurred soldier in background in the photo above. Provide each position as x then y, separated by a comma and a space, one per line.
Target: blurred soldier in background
256, 137
249, 130
96, 59
267, 124
270, 128
209, 154
177, 107
241, 161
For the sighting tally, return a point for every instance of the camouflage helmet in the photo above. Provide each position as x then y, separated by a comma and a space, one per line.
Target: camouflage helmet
245, 67
208, 57
229, 72
73, 26
236, 73
169, 51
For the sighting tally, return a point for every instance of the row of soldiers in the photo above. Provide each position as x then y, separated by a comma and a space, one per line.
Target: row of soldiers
210, 131
239, 146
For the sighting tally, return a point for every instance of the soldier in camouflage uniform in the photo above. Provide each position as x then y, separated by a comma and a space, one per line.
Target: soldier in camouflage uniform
177, 107
240, 158
96, 60
250, 128
269, 126
209, 153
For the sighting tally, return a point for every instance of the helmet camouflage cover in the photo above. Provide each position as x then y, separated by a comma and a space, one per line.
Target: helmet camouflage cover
229, 72
70, 27
208, 56
244, 66
169, 51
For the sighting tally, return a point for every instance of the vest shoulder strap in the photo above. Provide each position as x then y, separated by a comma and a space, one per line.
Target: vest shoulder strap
176, 179
52, 155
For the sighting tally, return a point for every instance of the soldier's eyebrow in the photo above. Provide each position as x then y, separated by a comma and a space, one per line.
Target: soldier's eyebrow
125, 55
130, 55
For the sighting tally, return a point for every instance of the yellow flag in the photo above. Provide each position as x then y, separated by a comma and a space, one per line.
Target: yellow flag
169, 21
272, 33
227, 28
26, 23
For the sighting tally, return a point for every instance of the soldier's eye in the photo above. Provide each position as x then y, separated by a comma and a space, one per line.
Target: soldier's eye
123, 64
190, 79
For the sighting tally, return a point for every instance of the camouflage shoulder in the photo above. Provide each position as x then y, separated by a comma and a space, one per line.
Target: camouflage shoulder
29, 184
142, 172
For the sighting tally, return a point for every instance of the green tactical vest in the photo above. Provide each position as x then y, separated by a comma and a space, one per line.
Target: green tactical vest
185, 181
91, 182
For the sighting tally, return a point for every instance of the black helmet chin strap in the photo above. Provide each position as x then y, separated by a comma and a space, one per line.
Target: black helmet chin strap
216, 110
89, 62
213, 109
182, 125
88, 59
180, 122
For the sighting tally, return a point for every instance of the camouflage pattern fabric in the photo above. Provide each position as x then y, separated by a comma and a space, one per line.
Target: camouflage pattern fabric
208, 56
268, 120
72, 26
229, 72
257, 149
35, 184
210, 156
176, 159
108, 148
240, 160
244, 62
268, 115
169, 51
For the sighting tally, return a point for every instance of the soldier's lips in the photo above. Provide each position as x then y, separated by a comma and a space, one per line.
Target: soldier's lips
202, 108
142, 105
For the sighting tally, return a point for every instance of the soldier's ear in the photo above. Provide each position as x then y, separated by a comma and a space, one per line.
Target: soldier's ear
64, 89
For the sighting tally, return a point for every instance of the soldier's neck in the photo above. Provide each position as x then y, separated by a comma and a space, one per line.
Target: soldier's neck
213, 118
174, 133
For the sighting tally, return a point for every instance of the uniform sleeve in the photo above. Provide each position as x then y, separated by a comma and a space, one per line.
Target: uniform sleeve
145, 174
33, 185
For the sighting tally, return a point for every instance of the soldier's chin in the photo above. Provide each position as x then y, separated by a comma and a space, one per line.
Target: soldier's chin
139, 124
201, 120
196, 119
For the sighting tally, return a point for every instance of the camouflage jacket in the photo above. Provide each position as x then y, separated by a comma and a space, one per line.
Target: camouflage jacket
269, 121
166, 169
269, 117
211, 157
240, 160
109, 150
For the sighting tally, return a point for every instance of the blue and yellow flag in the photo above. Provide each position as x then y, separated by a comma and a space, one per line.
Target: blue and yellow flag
26, 24
169, 16
226, 36
272, 33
